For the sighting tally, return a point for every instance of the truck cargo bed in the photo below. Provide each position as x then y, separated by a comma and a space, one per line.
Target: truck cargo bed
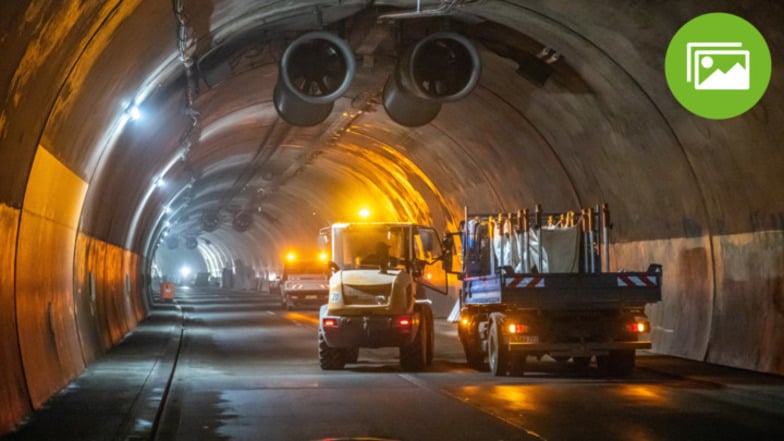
565, 291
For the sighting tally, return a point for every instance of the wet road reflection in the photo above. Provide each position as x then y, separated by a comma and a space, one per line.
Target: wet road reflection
250, 371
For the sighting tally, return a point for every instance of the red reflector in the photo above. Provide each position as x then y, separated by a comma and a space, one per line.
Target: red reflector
404, 321
330, 323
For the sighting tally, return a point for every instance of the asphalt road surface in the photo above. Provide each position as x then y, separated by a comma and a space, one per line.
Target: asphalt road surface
245, 369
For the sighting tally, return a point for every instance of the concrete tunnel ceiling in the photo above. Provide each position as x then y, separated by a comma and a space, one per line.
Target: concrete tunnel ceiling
571, 109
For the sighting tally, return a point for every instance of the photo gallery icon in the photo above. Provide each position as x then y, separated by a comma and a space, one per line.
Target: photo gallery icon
717, 66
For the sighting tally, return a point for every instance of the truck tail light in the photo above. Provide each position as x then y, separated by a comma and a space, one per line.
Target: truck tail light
330, 323
638, 327
518, 328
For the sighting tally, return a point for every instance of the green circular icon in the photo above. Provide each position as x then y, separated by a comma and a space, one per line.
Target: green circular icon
718, 65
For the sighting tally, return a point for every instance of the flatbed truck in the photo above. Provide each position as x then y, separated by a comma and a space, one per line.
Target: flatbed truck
533, 287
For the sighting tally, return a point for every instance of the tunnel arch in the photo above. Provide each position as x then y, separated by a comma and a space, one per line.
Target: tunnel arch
77, 176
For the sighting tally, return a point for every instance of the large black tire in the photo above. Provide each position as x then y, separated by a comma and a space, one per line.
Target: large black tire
413, 357
427, 313
330, 359
475, 357
498, 354
617, 364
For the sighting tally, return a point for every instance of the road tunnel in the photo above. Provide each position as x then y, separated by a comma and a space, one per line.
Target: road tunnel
136, 135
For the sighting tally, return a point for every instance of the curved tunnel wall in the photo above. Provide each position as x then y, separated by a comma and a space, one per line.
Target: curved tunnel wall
698, 196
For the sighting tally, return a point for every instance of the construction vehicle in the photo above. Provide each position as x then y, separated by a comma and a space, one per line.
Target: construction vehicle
304, 282
378, 293
532, 288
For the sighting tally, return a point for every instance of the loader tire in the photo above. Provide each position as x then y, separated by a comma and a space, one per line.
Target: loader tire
330, 359
427, 313
413, 357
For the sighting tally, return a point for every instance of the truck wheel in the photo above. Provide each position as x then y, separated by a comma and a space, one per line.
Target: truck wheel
352, 355
475, 358
413, 357
616, 363
498, 354
330, 359
428, 314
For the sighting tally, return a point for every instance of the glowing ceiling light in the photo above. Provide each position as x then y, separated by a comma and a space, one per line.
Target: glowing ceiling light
364, 213
134, 113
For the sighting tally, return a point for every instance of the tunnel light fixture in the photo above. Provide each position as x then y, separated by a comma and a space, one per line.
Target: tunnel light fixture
134, 113
160, 182
364, 213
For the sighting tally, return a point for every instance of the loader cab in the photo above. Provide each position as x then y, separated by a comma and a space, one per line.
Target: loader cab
386, 246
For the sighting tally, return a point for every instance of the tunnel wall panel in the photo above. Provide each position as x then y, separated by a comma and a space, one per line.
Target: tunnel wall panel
113, 306
48, 339
97, 267
14, 401
138, 305
680, 323
748, 328
85, 299
113, 285
739, 320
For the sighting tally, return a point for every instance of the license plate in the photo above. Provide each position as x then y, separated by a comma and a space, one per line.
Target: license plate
529, 339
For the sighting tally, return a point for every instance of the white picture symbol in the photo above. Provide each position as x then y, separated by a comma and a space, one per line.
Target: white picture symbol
717, 66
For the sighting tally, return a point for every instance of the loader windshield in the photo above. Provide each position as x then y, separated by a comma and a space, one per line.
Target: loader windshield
371, 246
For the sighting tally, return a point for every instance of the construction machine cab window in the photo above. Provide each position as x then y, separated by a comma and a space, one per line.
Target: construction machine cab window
366, 245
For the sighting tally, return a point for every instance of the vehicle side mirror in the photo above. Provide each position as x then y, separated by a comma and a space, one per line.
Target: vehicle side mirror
448, 246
